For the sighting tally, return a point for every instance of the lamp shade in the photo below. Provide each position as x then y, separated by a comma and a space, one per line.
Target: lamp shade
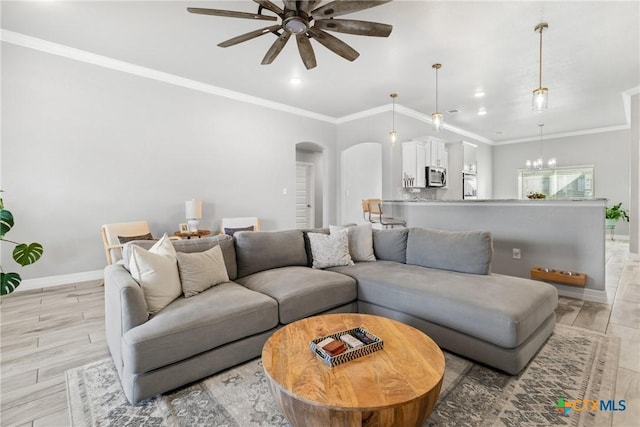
193, 209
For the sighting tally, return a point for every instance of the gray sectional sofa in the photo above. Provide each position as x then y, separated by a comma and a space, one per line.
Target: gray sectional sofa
439, 282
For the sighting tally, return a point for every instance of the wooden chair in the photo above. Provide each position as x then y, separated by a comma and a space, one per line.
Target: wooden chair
111, 232
377, 216
241, 222
366, 213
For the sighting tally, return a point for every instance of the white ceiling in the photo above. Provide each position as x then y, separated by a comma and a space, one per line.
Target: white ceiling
591, 55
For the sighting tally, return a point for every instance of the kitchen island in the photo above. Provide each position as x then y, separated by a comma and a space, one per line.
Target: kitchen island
566, 235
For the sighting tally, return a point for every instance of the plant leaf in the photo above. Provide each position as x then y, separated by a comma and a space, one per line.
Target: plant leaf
25, 254
9, 282
6, 222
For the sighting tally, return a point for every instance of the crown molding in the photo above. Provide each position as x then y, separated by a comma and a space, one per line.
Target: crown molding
127, 67
565, 134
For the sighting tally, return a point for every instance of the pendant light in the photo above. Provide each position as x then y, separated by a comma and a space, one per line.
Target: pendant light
393, 134
436, 118
541, 94
538, 163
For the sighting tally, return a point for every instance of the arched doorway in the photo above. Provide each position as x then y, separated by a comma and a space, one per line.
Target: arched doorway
361, 178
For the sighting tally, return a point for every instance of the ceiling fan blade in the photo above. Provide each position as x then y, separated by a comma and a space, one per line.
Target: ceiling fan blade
276, 48
337, 7
231, 14
290, 4
307, 5
249, 36
334, 44
351, 26
306, 51
267, 4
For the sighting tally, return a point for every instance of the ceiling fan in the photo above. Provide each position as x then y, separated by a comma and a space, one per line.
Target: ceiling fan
300, 19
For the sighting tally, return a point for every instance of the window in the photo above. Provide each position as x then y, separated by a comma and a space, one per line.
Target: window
574, 182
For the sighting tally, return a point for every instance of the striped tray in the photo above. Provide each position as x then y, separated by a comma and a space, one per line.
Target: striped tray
348, 355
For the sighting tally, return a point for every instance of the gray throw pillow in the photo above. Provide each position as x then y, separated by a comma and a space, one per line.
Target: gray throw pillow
201, 270
360, 241
232, 231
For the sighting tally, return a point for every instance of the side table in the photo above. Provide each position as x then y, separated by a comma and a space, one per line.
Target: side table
189, 235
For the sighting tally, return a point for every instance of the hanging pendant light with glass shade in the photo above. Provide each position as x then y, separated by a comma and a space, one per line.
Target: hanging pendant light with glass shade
541, 94
393, 134
436, 118
538, 163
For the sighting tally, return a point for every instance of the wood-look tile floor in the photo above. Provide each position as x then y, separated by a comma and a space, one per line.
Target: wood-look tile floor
43, 333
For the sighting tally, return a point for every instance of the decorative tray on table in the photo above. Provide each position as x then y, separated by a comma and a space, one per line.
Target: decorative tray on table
369, 344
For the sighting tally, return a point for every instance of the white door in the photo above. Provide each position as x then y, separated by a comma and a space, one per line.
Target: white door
304, 195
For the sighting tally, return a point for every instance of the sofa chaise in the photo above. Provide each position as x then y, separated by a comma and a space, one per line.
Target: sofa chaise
439, 282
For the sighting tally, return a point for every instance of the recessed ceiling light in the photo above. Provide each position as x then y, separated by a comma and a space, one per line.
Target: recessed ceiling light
478, 94
482, 112
295, 80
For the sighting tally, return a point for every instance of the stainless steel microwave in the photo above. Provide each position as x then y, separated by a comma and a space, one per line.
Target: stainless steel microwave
436, 177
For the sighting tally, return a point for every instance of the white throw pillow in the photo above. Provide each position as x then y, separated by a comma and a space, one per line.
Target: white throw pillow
330, 250
360, 241
156, 270
201, 270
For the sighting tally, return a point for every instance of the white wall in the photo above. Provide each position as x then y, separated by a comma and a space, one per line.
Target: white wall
607, 151
634, 160
84, 145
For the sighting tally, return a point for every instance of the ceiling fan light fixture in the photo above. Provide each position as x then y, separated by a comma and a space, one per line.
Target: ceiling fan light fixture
437, 119
295, 25
541, 94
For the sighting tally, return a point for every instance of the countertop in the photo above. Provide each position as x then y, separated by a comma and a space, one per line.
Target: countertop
535, 202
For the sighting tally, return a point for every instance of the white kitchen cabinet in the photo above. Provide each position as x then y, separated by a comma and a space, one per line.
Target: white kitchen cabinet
469, 162
437, 154
414, 154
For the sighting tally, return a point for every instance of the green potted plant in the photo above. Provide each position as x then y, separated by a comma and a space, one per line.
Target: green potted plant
24, 254
614, 214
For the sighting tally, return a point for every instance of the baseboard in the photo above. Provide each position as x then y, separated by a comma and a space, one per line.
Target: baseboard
63, 279
582, 293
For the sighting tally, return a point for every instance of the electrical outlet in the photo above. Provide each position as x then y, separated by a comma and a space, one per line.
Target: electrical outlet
516, 253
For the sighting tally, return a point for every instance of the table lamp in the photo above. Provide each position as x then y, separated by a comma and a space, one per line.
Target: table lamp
193, 211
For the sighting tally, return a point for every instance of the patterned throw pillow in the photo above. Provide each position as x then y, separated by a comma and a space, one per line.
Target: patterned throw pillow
330, 250
125, 239
232, 231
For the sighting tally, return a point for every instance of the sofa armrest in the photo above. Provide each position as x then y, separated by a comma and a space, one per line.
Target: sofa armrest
124, 307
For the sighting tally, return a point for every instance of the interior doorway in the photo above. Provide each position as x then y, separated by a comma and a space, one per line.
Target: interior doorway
310, 188
361, 172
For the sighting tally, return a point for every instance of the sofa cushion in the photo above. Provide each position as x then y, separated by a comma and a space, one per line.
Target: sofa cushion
390, 245
302, 291
463, 251
194, 245
502, 310
360, 241
263, 250
201, 270
330, 250
189, 326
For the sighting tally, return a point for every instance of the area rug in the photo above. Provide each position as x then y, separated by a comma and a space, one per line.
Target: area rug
574, 364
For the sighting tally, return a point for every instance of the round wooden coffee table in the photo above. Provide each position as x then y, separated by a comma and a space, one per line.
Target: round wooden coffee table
396, 386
